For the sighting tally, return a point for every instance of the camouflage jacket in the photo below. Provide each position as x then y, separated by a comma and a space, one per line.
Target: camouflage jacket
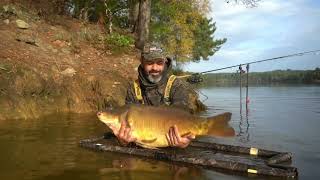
181, 95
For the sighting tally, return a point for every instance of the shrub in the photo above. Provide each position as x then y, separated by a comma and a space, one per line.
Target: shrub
116, 41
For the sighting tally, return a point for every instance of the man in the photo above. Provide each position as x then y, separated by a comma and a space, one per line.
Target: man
155, 87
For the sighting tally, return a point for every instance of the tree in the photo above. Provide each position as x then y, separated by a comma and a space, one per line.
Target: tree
183, 30
205, 45
173, 16
174, 23
133, 14
181, 27
142, 24
112, 11
172, 26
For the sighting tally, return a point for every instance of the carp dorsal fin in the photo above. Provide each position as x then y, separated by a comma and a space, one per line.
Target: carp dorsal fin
219, 125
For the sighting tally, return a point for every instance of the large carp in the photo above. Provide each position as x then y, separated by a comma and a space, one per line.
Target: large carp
150, 124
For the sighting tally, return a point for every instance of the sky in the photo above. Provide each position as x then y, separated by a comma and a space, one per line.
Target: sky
272, 28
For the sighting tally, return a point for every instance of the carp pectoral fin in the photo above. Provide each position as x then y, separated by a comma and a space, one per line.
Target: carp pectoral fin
149, 141
188, 134
219, 126
145, 143
146, 146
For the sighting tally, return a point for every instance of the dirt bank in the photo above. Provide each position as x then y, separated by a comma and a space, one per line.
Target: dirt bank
46, 68
58, 65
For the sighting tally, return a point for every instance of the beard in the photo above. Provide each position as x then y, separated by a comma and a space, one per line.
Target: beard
154, 78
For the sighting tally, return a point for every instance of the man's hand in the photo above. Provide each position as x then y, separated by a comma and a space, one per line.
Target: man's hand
123, 134
175, 140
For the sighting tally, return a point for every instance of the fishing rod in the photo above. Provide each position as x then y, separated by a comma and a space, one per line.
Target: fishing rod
196, 77
264, 60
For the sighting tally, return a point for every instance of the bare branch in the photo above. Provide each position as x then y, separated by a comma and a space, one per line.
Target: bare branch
248, 3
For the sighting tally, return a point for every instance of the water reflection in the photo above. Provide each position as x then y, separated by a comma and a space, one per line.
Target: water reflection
140, 168
41, 147
244, 135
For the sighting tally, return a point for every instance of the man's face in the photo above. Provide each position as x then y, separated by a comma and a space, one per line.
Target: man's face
154, 69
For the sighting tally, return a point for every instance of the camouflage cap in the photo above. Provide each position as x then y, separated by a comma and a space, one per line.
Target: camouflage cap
153, 54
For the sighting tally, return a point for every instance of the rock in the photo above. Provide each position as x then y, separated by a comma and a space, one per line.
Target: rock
27, 37
21, 24
68, 72
6, 21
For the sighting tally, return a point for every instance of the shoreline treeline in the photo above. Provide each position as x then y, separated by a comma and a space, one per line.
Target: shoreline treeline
259, 78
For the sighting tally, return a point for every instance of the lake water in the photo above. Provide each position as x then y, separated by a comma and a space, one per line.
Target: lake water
280, 118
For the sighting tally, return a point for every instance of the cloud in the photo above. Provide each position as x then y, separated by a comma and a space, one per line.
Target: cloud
273, 28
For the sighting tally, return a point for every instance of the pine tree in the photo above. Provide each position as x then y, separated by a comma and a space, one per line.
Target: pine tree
205, 45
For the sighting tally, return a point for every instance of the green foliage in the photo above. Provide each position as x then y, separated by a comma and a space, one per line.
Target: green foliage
116, 41
172, 24
205, 45
183, 30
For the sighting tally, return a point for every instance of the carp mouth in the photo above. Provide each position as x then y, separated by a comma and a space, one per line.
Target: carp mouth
106, 118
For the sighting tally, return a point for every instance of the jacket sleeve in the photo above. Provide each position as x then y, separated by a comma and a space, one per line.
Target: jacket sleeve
183, 96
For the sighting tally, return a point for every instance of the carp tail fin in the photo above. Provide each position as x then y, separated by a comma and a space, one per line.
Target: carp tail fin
219, 125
